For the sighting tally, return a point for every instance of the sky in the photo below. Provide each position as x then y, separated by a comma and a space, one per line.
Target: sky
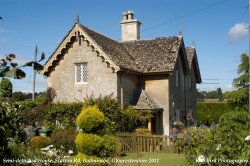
217, 27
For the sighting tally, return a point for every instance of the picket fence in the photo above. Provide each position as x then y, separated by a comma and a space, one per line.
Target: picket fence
146, 143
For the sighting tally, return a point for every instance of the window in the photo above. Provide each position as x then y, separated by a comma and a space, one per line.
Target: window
81, 73
176, 78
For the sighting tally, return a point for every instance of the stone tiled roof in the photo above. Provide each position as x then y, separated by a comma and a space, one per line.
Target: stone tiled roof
143, 56
156, 55
190, 55
146, 102
112, 48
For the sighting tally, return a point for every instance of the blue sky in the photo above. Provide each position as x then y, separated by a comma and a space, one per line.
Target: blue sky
218, 28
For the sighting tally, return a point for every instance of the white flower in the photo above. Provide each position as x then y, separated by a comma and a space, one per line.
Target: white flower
45, 149
247, 138
51, 153
200, 159
70, 152
66, 157
51, 146
29, 161
218, 147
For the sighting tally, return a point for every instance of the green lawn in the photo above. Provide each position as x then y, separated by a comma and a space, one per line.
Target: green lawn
153, 159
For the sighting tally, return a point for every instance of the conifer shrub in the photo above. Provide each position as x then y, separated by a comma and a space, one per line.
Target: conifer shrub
111, 146
90, 120
89, 144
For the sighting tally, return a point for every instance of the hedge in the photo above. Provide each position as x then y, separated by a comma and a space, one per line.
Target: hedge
209, 113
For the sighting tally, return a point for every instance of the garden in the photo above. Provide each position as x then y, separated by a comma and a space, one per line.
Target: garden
41, 132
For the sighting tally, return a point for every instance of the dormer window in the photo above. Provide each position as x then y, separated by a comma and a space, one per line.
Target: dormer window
81, 73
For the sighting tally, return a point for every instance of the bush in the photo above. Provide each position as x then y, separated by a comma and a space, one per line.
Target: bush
89, 144
143, 131
38, 142
109, 107
227, 141
209, 113
90, 120
111, 146
131, 119
28, 104
62, 114
34, 115
6, 87
65, 138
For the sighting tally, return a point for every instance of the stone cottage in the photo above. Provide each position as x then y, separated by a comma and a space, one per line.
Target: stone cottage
157, 74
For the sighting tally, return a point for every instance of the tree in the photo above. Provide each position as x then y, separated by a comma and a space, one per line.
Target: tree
9, 68
6, 88
220, 95
240, 96
211, 95
18, 96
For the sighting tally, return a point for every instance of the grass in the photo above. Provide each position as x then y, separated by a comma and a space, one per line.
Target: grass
153, 159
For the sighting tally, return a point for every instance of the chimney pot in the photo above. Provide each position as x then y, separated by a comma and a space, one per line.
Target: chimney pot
130, 27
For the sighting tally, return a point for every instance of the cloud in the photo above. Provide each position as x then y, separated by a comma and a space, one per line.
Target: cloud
238, 31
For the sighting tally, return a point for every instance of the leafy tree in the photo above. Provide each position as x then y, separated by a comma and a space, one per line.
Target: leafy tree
18, 96
6, 87
211, 95
220, 94
9, 68
240, 97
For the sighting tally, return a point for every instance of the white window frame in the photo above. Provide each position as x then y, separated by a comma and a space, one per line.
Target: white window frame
82, 79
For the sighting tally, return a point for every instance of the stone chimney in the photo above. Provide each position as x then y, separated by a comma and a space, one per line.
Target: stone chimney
130, 27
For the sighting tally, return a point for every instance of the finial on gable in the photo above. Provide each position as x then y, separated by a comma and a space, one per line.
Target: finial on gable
180, 31
77, 19
193, 45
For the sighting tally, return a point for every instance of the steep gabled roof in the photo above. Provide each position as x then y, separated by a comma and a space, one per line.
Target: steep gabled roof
155, 55
145, 102
114, 49
143, 56
193, 62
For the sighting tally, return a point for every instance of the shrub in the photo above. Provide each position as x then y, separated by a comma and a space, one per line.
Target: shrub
89, 144
63, 114
227, 141
28, 104
143, 131
6, 87
33, 115
209, 113
38, 142
131, 119
90, 120
65, 138
10, 126
111, 146
109, 107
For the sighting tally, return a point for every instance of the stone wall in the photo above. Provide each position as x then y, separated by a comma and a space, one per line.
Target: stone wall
101, 79
177, 94
156, 86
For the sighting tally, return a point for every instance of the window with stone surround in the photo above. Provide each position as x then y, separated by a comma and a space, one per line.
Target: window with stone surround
81, 73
